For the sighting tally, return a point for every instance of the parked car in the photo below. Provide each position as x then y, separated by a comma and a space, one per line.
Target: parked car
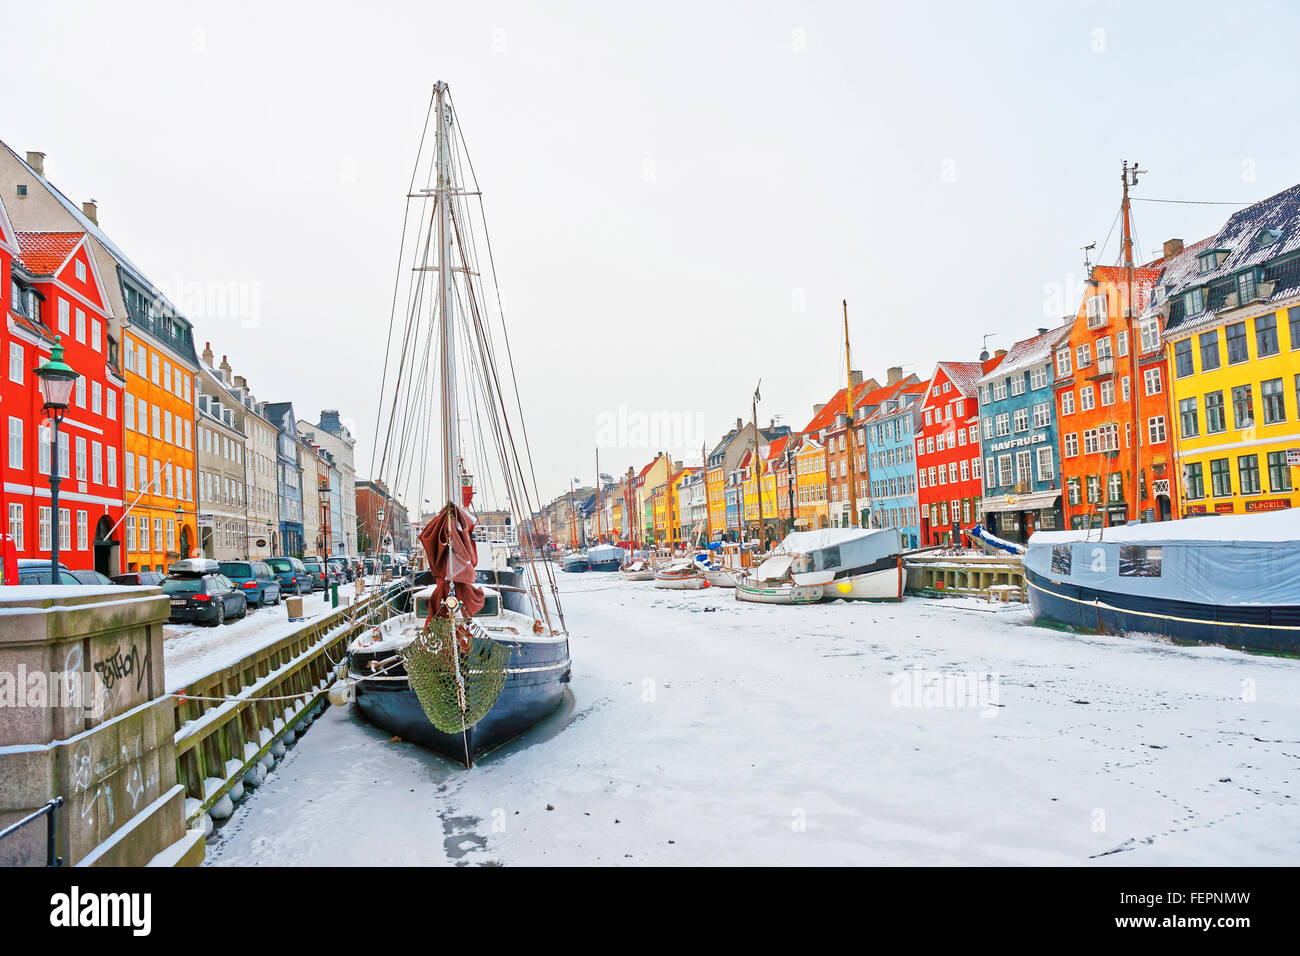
92, 577
200, 592
291, 574
316, 571
255, 579
343, 566
139, 578
36, 571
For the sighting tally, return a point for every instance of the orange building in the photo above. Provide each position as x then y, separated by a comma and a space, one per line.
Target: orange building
1113, 471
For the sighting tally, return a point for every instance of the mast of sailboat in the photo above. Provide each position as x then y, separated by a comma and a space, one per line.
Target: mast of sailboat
848, 392
446, 295
1130, 178
573, 534
758, 468
598, 494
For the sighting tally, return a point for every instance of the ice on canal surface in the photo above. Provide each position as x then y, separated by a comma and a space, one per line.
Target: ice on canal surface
706, 731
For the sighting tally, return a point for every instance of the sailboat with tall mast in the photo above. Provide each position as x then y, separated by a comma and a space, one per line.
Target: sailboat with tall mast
458, 671
849, 562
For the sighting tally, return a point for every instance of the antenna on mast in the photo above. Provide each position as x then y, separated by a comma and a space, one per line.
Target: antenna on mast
1087, 263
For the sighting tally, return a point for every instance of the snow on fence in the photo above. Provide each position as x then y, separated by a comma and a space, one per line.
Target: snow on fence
235, 723
948, 575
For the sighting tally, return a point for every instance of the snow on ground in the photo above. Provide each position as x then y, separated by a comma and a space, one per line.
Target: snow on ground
706, 731
191, 651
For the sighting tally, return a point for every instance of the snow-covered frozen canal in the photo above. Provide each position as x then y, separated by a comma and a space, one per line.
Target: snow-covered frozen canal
705, 731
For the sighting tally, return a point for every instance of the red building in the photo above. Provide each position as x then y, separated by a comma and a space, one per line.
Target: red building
948, 450
52, 287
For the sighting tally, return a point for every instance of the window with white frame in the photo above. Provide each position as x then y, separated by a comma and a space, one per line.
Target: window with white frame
1151, 380
1156, 429
1071, 445
17, 356
1046, 464
1067, 403
15, 442
1038, 377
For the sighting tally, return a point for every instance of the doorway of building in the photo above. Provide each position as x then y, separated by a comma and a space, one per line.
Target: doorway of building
185, 541
106, 555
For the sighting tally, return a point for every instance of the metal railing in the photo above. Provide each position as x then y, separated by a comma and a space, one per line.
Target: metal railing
50, 810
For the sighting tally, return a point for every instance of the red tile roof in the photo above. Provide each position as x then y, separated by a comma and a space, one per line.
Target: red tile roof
777, 447
44, 253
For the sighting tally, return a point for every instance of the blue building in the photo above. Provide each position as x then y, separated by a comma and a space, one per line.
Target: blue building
290, 541
891, 463
1018, 440
731, 495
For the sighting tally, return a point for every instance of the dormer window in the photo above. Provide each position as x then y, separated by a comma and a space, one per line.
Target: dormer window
1209, 261
1246, 287
1194, 302
1268, 237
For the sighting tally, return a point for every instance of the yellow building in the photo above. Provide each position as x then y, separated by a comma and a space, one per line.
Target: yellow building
810, 484
769, 489
1233, 347
715, 486
158, 441
1235, 394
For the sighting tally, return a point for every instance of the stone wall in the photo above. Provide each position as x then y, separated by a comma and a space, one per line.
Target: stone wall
83, 716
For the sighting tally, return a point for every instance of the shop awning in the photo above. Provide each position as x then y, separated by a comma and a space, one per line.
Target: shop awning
1032, 501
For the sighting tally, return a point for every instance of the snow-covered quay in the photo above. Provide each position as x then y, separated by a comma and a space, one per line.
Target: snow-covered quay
706, 731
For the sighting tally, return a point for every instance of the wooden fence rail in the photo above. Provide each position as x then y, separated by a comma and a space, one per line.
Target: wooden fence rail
991, 577
265, 699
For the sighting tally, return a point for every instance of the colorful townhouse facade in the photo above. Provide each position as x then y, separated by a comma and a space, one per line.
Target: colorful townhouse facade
1230, 307
1112, 404
811, 511
55, 293
158, 363
948, 461
891, 462
1022, 471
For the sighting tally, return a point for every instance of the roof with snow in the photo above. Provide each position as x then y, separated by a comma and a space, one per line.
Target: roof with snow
44, 253
965, 376
1265, 236
1028, 353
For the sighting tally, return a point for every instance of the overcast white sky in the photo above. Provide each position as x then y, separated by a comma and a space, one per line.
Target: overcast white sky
680, 194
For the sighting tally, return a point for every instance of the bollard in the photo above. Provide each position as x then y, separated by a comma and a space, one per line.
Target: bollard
334, 593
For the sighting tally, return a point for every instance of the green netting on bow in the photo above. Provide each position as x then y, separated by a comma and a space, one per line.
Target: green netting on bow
456, 688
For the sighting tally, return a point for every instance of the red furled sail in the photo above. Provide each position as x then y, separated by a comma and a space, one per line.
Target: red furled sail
452, 554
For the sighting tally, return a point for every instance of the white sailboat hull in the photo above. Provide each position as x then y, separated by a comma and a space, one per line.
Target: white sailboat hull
692, 583
778, 592
885, 584
722, 578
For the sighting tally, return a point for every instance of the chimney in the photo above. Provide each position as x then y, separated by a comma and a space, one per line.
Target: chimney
91, 210
241, 382
1042, 331
740, 423
225, 370
207, 353
37, 162
1173, 247
893, 374
855, 377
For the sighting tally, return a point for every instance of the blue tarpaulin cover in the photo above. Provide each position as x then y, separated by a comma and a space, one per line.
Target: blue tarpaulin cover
1231, 560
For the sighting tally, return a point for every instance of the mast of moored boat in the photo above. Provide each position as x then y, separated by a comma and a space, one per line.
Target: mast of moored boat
446, 297
758, 469
848, 367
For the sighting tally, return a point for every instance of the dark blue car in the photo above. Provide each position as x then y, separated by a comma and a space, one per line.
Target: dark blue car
292, 575
258, 582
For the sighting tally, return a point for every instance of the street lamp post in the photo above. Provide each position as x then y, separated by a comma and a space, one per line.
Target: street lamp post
57, 380
180, 525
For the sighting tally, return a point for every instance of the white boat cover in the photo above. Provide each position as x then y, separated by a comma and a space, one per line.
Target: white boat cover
605, 552
679, 564
638, 565
1235, 560
774, 568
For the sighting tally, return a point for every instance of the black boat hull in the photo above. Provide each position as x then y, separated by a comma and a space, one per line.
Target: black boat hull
1274, 629
612, 565
535, 681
